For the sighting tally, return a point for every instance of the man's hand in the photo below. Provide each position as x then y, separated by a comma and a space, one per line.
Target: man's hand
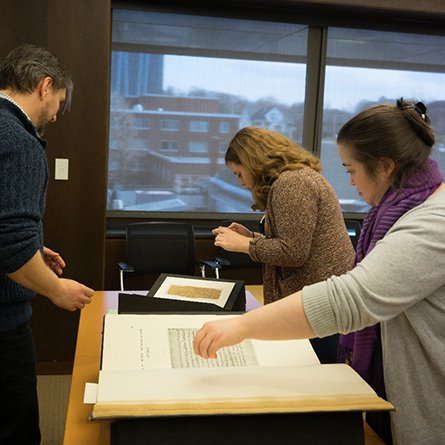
37, 276
71, 295
53, 260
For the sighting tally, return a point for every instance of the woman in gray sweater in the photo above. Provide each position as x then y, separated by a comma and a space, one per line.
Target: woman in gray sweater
399, 283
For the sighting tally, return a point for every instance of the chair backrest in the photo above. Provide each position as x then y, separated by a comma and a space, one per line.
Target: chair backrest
354, 228
161, 247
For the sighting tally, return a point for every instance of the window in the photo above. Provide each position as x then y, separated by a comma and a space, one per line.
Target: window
182, 85
224, 127
141, 122
187, 84
170, 124
169, 146
198, 147
365, 68
199, 127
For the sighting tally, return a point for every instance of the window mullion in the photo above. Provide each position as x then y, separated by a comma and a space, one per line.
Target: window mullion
315, 75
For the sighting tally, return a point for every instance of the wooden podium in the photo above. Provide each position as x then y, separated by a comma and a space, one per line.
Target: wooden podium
311, 427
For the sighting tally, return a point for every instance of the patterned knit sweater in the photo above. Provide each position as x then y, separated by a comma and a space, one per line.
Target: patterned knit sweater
305, 235
23, 183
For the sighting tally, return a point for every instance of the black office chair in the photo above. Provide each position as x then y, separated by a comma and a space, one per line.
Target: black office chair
354, 227
159, 247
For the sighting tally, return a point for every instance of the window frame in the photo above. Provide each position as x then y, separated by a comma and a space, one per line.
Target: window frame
318, 19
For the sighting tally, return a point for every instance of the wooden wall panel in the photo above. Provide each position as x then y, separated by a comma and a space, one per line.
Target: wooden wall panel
79, 32
17, 21
75, 217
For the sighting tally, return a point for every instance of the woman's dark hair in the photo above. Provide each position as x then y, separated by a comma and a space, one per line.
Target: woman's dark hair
399, 132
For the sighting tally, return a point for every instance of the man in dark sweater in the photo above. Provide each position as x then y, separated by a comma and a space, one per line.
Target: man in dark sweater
34, 86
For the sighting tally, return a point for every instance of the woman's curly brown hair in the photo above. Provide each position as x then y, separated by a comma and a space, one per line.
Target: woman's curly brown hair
266, 154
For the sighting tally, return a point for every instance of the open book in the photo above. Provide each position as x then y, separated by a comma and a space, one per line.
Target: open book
149, 368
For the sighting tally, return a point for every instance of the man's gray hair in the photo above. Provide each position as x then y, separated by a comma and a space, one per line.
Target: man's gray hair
25, 66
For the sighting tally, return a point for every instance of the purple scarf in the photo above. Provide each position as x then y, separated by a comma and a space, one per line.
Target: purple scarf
358, 347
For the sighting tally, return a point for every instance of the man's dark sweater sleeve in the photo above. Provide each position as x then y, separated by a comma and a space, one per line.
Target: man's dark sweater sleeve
23, 174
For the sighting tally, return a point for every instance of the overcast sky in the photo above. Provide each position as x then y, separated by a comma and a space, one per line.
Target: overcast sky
253, 80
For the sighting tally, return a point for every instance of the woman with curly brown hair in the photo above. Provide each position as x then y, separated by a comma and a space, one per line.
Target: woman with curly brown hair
305, 238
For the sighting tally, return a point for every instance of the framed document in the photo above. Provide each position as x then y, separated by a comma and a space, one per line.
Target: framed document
182, 293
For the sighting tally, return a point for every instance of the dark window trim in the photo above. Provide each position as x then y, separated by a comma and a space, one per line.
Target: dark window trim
427, 16
417, 20
202, 223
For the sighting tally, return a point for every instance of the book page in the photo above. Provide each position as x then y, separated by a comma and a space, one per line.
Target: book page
230, 384
150, 341
182, 355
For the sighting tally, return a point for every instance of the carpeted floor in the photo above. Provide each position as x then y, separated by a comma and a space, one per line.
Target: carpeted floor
53, 391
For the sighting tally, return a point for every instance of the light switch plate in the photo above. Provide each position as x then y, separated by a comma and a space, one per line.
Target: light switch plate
61, 169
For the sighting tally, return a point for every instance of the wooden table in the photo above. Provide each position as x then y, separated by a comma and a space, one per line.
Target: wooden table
78, 429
